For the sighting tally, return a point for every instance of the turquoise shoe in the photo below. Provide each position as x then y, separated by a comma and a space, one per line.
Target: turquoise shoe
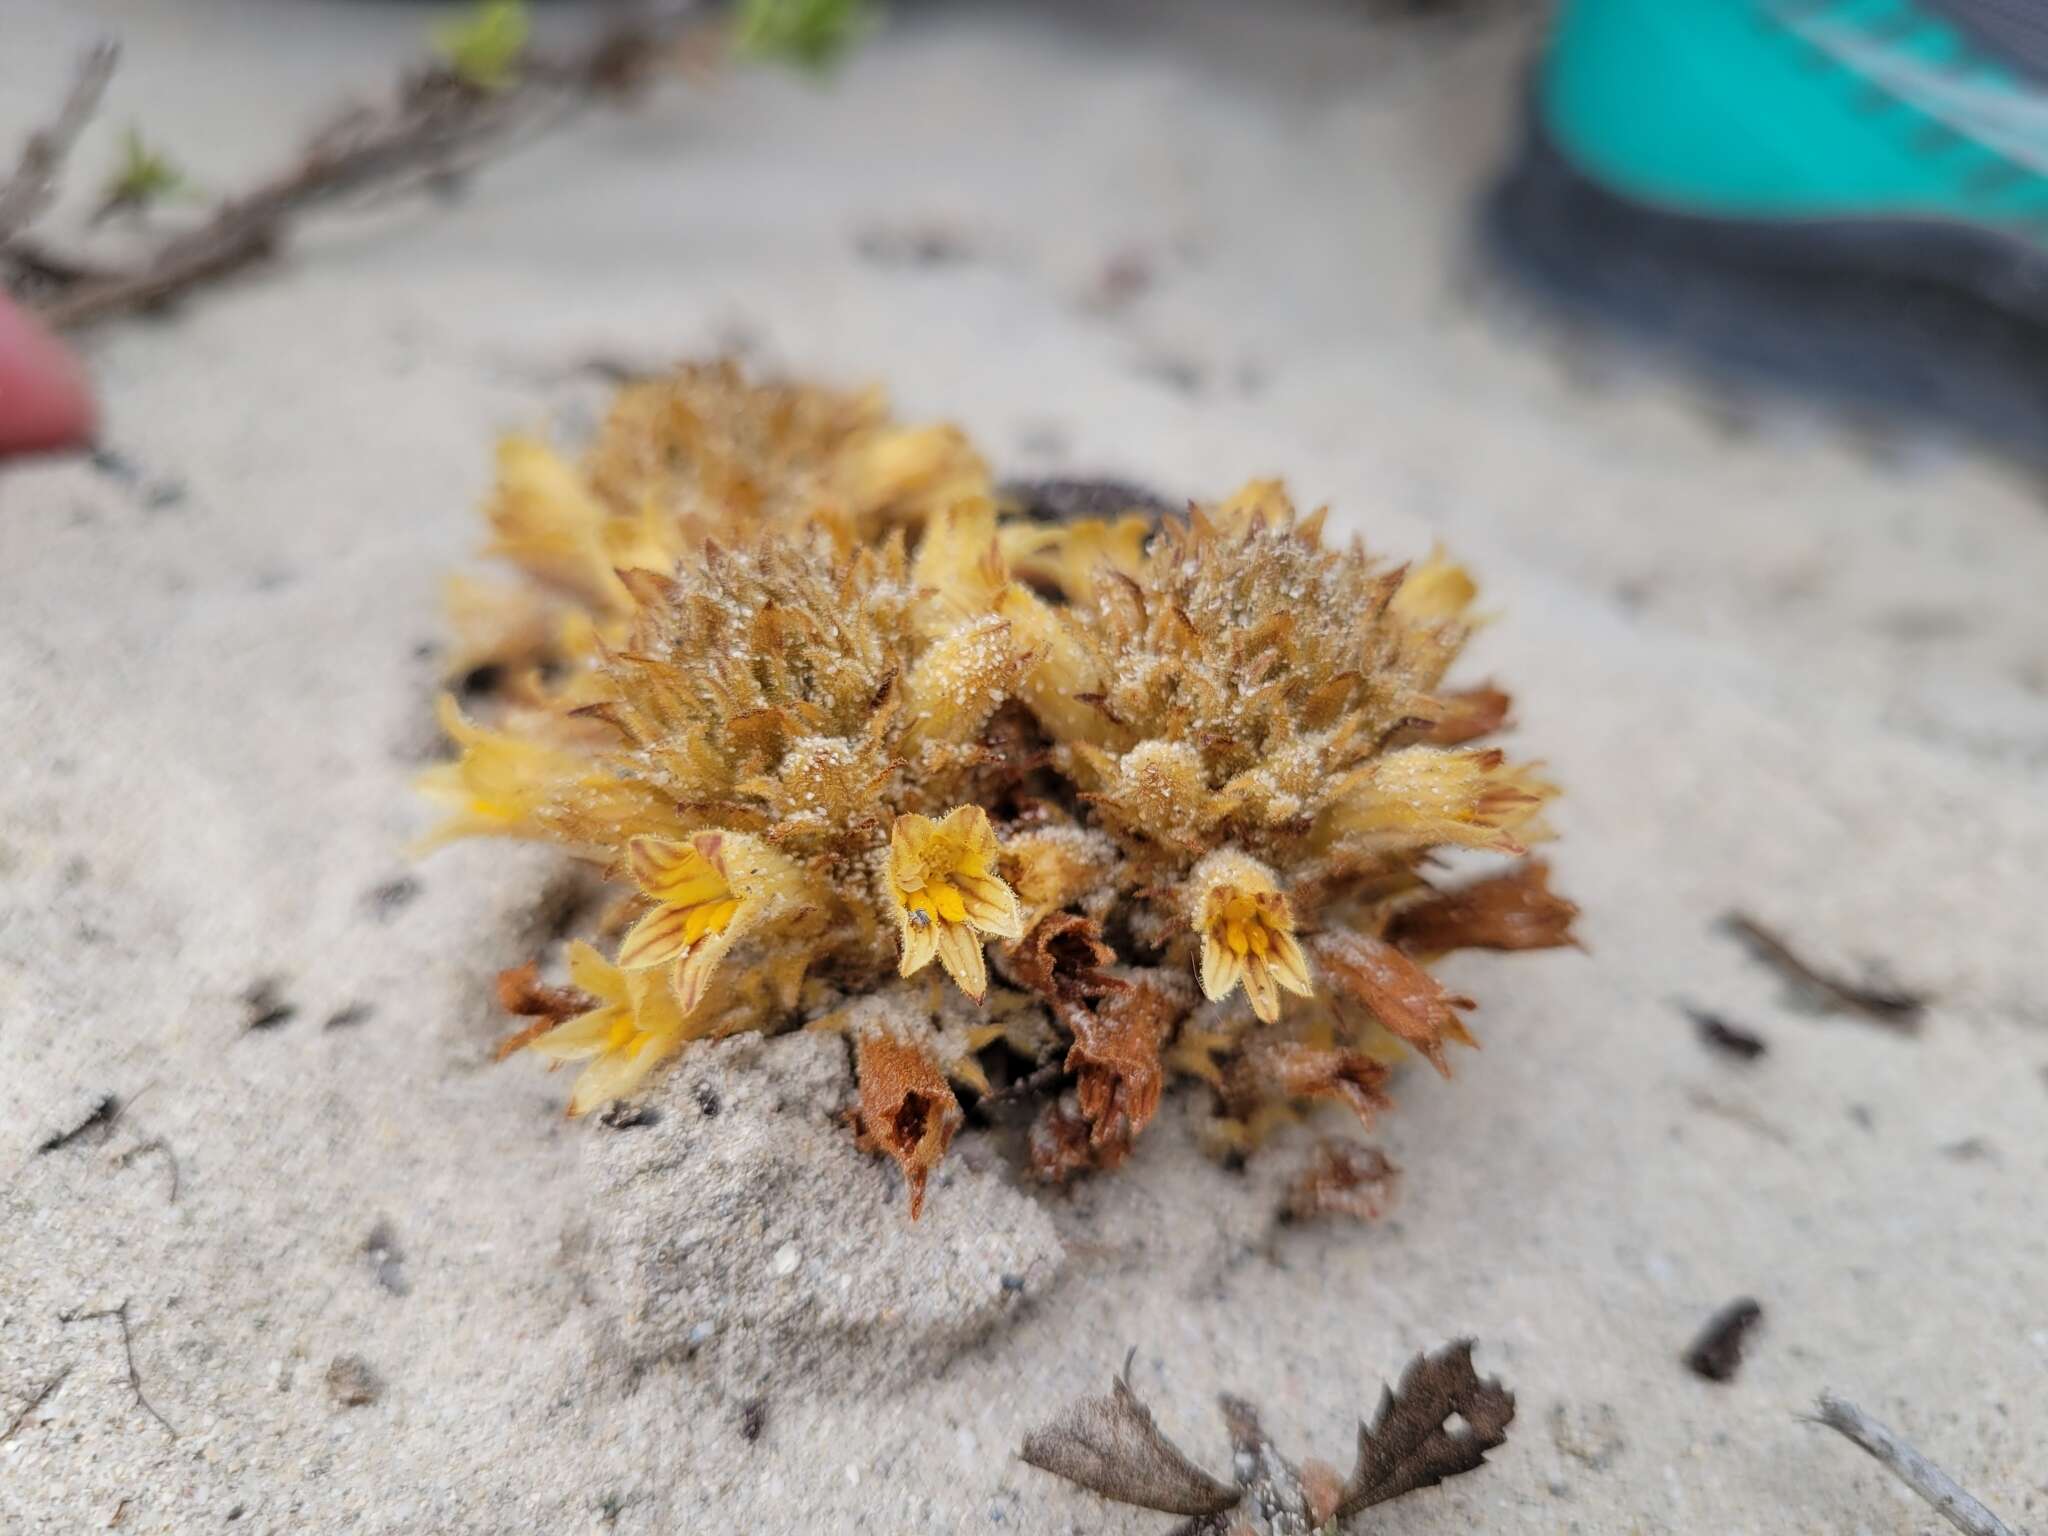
1843, 195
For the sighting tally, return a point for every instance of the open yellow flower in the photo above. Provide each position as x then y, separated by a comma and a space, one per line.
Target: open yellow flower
708, 890
948, 895
1247, 933
635, 1026
498, 783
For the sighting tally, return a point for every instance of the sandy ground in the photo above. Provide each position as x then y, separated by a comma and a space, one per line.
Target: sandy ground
1781, 661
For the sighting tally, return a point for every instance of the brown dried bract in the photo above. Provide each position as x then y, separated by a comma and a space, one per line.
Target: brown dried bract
1467, 716
524, 995
1516, 910
1059, 1141
1296, 1070
1115, 1058
907, 1109
1343, 1179
1063, 960
1399, 993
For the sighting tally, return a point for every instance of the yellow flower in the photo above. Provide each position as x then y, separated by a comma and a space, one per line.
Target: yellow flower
948, 895
635, 1026
1247, 933
707, 892
498, 783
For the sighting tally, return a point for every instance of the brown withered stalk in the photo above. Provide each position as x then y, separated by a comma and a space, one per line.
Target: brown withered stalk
436, 127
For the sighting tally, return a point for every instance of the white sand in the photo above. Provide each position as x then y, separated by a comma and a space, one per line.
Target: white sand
1797, 669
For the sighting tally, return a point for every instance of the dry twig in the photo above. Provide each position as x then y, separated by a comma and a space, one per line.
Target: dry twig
42, 1395
1893, 1007
120, 1315
1910, 1468
33, 187
437, 127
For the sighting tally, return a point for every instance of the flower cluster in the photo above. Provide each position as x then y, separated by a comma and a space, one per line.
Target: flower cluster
1156, 795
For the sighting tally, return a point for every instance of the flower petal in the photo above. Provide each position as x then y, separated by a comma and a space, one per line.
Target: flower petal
960, 954
920, 944
1221, 969
676, 874
1290, 965
992, 906
1258, 986
585, 1035
656, 939
694, 970
591, 972
616, 1074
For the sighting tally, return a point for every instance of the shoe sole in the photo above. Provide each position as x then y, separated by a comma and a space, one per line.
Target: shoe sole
1915, 317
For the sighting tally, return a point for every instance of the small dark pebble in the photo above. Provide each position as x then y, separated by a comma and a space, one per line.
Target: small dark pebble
753, 1418
236, 1513
1971, 1149
1861, 1116
393, 896
1716, 1355
707, 1099
623, 1115
266, 1004
1012, 1283
387, 1260
349, 1017
159, 494
351, 1382
114, 464
1733, 1040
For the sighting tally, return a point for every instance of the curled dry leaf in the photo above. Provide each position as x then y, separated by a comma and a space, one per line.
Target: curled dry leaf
906, 1108
1343, 1179
524, 995
1467, 716
1404, 997
1111, 1446
1300, 1071
1116, 1062
1516, 910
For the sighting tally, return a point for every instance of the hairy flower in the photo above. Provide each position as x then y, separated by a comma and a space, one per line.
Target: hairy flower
948, 895
1247, 933
633, 1027
708, 892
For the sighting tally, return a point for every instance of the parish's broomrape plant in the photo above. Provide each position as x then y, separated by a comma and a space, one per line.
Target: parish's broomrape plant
1157, 797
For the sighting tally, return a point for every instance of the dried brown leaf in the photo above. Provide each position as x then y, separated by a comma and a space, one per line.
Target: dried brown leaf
1409, 1443
523, 994
1059, 1141
1404, 997
1516, 910
1110, 1445
1467, 716
907, 1109
1300, 1071
1343, 1179
1063, 960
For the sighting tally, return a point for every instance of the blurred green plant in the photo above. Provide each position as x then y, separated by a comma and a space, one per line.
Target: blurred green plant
812, 34
484, 46
144, 176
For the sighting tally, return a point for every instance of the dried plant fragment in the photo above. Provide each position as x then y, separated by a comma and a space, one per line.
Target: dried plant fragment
1467, 716
1397, 991
1118, 1073
1890, 1006
907, 1108
1111, 1446
1409, 1444
1516, 910
1343, 1179
1948, 1497
1716, 1355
